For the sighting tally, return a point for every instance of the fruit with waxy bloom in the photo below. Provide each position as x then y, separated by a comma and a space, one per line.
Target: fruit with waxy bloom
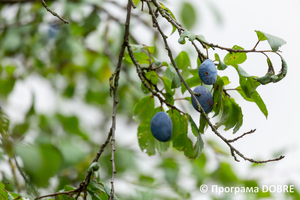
204, 97
208, 72
161, 126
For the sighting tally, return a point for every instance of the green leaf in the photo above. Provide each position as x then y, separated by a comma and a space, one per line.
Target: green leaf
194, 72
183, 63
20, 129
260, 103
176, 120
171, 170
231, 115
188, 15
199, 145
270, 77
10, 69
4, 122
145, 138
248, 85
152, 76
242, 93
144, 108
70, 90
243, 73
221, 65
161, 147
194, 127
15, 196
108, 191
247, 82
260, 36
169, 98
235, 58
172, 15
71, 125
158, 62
283, 70
168, 86
6, 86
191, 82
176, 81
172, 75
91, 23
47, 161
72, 153
136, 2
225, 80
201, 38
94, 167
180, 140
185, 34
274, 42
3, 193
225, 174
203, 123
255, 98
10, 197
142, 53
144, 89
69, 188
217, 95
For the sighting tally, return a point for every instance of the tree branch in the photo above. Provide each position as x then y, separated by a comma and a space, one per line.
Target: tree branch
235, 139
53, 13
179, 27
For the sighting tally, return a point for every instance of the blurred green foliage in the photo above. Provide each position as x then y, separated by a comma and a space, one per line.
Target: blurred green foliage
77, 60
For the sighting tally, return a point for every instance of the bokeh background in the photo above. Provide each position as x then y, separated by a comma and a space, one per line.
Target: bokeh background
54, 89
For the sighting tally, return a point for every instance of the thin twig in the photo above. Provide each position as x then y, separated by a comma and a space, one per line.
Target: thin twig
116, 83
256, 45
235, 139
13, 170
132, 4
58, 193
53, 13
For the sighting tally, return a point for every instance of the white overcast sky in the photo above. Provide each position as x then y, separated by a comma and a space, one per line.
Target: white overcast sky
281, 130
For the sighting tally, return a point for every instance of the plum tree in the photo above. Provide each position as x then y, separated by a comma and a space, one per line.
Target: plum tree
208, 72
204, 97
161, 126
88, 61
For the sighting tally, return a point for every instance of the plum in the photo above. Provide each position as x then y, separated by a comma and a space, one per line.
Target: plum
204, 97
208, 72
161, 126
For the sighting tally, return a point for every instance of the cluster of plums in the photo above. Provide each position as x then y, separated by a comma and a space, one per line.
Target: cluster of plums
161, 124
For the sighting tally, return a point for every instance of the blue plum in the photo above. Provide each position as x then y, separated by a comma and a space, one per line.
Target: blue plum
208, 72
161, 126
204, 97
